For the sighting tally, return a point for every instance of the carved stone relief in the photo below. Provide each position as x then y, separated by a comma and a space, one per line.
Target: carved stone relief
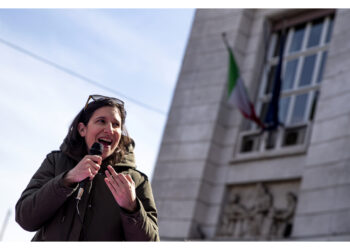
261, 211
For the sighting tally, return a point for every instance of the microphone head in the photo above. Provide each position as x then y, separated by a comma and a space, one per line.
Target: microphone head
96, 149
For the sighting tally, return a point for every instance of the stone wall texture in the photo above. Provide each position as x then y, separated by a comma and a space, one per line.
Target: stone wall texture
196, 164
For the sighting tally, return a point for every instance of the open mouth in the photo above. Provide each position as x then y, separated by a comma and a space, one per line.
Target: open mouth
105, 141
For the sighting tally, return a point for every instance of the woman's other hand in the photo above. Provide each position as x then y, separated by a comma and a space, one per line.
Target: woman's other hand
123, 189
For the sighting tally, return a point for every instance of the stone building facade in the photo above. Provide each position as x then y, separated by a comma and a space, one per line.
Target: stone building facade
217, 177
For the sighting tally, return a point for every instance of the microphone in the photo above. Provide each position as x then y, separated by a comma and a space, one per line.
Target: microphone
96, 149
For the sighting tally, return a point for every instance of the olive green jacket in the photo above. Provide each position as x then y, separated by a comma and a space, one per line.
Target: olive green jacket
49, 207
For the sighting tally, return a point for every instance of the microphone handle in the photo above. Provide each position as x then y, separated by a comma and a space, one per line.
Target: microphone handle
96, 149
81, 188
83, 182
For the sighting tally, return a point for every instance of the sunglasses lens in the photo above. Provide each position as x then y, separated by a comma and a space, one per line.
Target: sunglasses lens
101, 97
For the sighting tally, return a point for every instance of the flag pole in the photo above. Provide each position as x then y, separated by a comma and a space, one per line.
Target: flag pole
4, 225
224, 38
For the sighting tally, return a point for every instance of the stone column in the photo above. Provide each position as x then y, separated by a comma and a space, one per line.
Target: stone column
184, 181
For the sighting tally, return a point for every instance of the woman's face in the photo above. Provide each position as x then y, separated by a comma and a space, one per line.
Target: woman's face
104, 127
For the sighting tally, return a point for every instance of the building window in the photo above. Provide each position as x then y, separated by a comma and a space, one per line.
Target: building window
304, 59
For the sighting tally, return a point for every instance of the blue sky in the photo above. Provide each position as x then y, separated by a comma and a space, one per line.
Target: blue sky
135, 52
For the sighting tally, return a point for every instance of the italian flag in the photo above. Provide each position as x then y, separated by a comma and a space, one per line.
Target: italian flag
237, 93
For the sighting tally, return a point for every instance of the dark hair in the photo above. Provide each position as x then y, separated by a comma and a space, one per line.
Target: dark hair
74, 145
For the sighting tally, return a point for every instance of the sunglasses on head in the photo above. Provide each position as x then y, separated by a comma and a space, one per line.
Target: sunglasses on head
101, 97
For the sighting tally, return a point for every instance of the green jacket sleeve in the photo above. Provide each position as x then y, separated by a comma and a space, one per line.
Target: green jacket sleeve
43, 196
142, 224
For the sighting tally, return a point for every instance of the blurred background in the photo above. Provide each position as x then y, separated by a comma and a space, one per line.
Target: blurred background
218, 175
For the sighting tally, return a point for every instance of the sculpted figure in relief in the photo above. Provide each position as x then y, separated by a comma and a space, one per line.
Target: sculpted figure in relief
235, 214
262, 221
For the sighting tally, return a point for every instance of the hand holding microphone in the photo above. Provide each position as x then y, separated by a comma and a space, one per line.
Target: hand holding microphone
86, 169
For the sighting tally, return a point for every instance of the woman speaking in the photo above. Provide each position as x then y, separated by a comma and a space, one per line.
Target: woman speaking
90, 190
